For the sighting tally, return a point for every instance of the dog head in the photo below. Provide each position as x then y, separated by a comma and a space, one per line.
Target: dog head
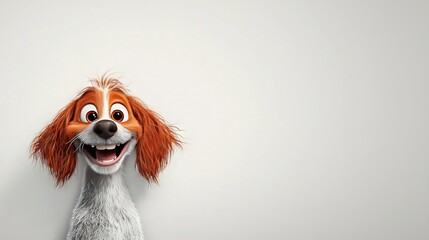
104, 124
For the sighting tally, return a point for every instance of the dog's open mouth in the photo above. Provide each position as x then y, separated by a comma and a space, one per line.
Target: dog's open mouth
105, 154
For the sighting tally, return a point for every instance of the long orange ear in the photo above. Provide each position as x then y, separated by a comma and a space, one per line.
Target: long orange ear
155, 144
52, 147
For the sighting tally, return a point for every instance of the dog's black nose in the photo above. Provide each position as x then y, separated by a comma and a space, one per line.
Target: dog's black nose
105, 128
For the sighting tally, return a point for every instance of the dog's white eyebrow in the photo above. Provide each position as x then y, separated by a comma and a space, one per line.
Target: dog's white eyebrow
106, 110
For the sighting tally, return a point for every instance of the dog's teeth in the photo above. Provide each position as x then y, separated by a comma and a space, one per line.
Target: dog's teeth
92, 146
105, 146
110, 147
101, 147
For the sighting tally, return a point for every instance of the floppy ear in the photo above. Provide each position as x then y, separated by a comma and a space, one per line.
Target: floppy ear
52, 148
155, 144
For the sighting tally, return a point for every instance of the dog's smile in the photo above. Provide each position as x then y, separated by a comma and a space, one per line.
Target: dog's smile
105, 154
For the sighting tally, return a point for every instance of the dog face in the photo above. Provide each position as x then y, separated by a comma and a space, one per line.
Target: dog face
103, 126
104, 129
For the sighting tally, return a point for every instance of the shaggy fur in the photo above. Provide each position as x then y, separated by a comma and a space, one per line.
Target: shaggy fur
104, 210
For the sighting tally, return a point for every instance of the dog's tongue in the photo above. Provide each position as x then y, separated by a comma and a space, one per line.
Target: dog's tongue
103, 155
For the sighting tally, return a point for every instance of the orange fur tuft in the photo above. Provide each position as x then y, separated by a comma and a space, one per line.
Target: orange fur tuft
52, 148
155, 144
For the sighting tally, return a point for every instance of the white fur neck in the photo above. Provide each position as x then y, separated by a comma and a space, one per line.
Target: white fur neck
104, 210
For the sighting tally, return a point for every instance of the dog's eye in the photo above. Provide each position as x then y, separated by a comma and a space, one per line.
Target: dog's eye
119, 112
91, 116
118, 115
88, 113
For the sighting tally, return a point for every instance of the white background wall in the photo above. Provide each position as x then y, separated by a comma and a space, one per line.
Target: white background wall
302, 119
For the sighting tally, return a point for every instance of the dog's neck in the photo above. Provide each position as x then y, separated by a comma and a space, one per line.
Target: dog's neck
108, 187
104, 210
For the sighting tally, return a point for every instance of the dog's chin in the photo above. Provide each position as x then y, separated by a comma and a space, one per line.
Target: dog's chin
107, 161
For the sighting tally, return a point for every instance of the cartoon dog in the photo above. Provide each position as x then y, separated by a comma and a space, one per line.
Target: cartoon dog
103, 126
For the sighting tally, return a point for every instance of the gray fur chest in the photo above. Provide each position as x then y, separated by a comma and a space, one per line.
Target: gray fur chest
104, 211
